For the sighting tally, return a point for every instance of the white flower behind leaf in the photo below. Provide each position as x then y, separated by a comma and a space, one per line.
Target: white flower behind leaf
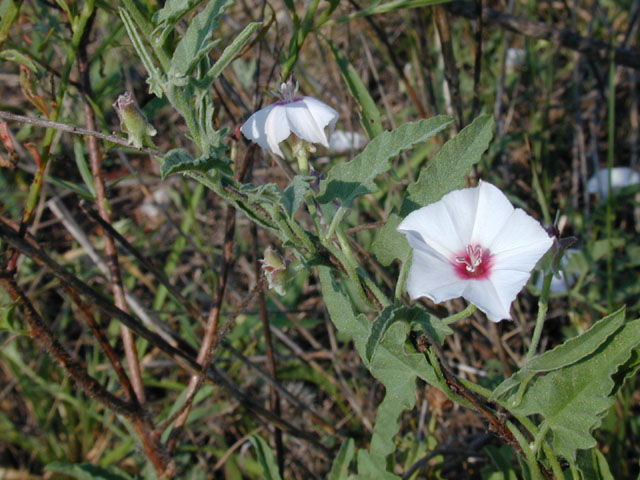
620, 177
473, 244
342, 142
305, 117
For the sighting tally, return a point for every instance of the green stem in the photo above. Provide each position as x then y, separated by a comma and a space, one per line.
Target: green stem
460, 315
543, 304
350, 270
78, 26
298, 39
337, 219
610, 140
402, 280
553, 460
346, 248
530, 457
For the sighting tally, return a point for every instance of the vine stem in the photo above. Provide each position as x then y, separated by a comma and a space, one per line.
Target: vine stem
543, 304
460, 315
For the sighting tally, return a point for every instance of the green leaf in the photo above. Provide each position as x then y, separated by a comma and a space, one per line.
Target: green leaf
293, 196
83, 168
570, 352
8, 13
11, 55
574, 399
378, 328
369, 113
86, 471
453, 161
168, 16
369, 469
179, 160
396, 368
231, 51
593, 465
266, 458
386, 7
436, 329
390, 244
340, 467
156, 79
196, 42
346, 181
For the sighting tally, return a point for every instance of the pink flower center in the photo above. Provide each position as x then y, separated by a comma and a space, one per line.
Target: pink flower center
474, 263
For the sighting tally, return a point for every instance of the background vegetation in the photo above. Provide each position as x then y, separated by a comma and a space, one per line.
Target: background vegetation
561, 110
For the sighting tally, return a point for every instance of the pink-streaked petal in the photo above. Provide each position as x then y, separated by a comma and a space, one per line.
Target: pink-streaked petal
520, 244
277, 128
493, 210
432, 276
255, 127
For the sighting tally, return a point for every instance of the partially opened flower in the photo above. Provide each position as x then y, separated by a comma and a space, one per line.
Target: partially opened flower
473, 244
306, 117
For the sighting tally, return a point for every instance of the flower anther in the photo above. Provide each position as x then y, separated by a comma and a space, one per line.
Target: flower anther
305, 117
473, 243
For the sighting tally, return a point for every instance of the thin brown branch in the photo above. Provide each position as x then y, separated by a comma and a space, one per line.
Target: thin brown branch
63, 127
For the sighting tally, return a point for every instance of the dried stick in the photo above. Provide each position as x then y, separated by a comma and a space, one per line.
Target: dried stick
63, 127
40, 331
183, 356
210, 339
95, 159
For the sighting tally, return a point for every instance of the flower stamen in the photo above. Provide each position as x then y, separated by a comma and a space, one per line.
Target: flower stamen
473, 259
474, 263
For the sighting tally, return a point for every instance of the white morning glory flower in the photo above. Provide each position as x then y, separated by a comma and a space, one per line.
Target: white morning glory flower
620, 177
473, 244
306, 117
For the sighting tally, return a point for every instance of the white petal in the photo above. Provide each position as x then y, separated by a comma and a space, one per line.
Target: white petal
307, 118
493, 212
431, 275
437, 226
520, 244
494, 296
322, 113
255, 127
277, 128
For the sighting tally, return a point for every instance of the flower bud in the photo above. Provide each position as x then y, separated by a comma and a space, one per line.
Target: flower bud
275, 270
132, 120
